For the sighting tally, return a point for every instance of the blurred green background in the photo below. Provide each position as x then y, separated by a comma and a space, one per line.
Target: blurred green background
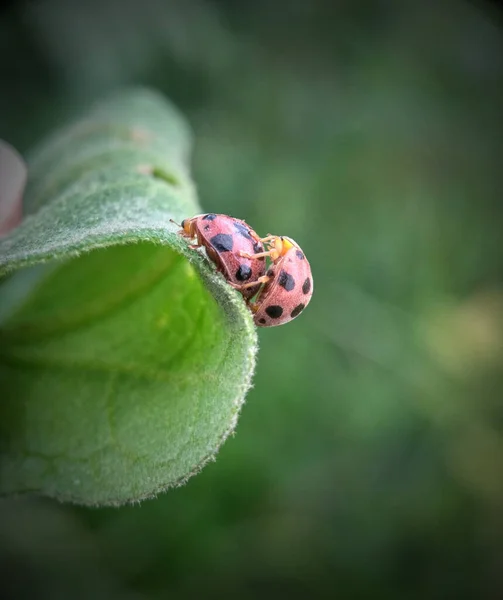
368, 460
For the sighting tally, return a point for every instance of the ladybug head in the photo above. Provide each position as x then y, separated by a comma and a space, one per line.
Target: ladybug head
280, 246
187, 226
287, 244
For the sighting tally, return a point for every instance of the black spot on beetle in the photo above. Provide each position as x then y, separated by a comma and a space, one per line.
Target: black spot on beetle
222, 242
243, 273
210, 217
242, 230
261, 320
286, 281
299, 254
274, 311
297, 310
306, 286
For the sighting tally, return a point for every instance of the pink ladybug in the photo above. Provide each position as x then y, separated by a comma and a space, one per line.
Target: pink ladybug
288, 285
229, 243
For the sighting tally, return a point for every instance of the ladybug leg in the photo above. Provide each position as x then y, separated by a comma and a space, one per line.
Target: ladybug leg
184, 234
244, 254
253, 306
198, 244
243, 286
266, 239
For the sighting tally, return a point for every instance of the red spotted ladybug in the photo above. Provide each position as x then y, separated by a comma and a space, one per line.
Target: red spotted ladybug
230, 244
287, 287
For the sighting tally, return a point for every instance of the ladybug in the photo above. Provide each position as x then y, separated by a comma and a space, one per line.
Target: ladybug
287, 287
230, 243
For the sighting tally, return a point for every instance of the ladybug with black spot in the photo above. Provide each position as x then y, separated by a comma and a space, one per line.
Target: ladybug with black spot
230, 244
287, 287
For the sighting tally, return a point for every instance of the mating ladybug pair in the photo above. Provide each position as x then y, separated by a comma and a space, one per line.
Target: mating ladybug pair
240, 254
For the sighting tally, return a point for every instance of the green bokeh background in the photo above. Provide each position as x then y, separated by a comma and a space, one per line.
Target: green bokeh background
368, 460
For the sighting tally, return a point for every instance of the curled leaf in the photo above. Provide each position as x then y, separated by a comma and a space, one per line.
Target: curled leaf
124, 356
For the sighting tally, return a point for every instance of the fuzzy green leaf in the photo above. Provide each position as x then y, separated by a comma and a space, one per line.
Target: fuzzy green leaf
124, 356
